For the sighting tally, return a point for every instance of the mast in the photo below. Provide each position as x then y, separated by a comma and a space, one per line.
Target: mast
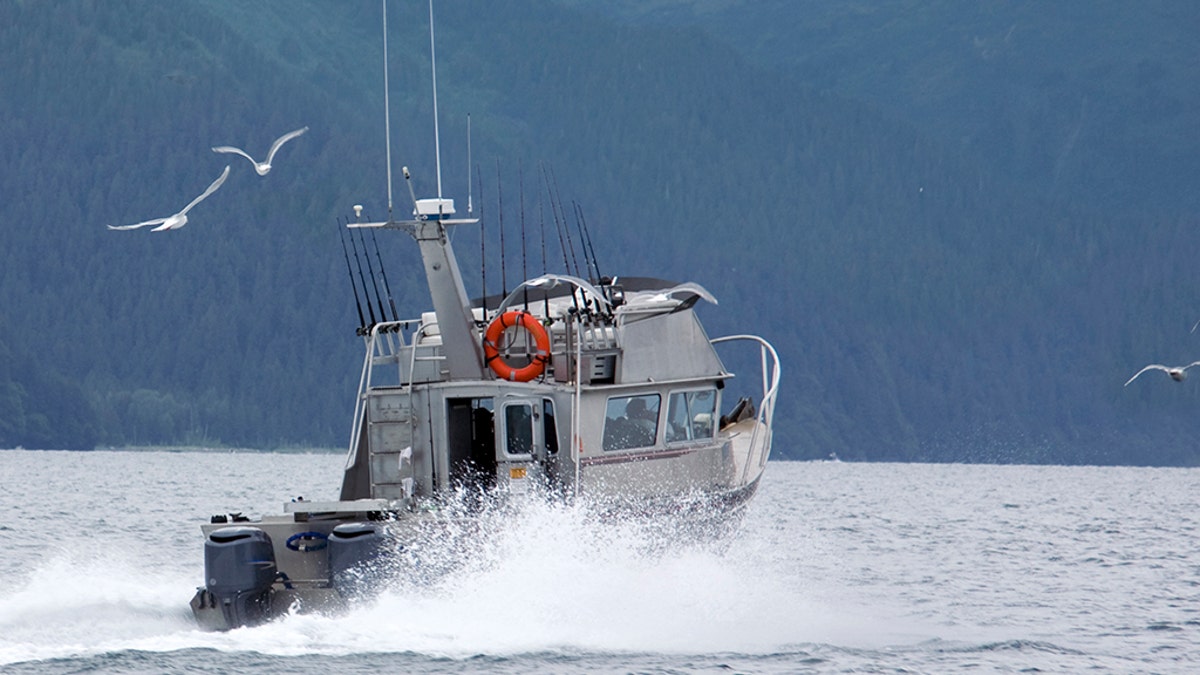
461, 345
456, 321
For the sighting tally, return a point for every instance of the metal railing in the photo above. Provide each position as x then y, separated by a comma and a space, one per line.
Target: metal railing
769, 360
386, 345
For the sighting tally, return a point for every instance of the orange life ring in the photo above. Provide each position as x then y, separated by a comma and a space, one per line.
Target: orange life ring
491, 348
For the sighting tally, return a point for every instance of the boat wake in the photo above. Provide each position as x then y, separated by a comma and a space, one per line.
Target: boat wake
526, 578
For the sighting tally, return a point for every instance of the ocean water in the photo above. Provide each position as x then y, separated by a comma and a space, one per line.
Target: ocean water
836, 568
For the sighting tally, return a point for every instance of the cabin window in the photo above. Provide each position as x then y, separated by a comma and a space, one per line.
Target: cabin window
690, 415
631, 422
518, 429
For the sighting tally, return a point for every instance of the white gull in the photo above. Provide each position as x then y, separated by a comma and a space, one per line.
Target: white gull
264, 166
178, 220
1177, 373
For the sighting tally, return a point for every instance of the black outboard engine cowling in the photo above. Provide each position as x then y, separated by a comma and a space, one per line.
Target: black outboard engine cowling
356, 559
239, 568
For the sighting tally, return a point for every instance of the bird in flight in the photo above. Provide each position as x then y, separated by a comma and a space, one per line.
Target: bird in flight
261, 168
178, 220
1177, 373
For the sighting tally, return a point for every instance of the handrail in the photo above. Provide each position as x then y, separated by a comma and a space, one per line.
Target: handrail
364, 379
359, 402
770, 383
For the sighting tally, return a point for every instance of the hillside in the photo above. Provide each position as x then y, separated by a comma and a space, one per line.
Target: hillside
1064, 99
926, 303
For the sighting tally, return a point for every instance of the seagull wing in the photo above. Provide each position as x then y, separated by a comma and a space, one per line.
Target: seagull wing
281, 140
211, 189
1153, 366
156, 221
235, 151
1191, 365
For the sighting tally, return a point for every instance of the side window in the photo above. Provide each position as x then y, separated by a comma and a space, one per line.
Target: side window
690, 415
549, 429
518, 429
631, 422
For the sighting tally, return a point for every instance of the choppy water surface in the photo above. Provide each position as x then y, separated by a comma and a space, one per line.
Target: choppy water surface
837, 568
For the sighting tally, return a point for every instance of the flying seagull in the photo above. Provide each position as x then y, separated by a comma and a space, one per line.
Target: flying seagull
179, 219
1177, 373
262, 167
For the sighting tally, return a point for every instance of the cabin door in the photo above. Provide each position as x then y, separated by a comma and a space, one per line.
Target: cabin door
520, 443
470, 443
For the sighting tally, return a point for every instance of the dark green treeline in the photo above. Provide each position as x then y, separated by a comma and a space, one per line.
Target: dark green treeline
928, 303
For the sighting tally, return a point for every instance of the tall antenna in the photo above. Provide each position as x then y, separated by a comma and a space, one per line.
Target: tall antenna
482, 244
387, 110
469, 163
437, 147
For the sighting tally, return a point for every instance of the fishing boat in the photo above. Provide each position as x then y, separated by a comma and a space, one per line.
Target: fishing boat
598, 391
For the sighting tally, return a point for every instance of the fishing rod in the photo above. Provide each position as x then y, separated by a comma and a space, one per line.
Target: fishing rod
566, 227
382, 272
542, 228
558, 225
362, 323
521, 202
371, 269
587, 234
500, 216
589, 263
363, 280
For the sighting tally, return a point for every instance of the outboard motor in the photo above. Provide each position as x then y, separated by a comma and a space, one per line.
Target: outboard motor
356, 559
239, 568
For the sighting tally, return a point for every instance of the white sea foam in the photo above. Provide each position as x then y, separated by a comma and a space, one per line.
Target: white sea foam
535, 577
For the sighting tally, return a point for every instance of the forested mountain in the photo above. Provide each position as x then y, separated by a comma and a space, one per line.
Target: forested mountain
1063, 98
933, 295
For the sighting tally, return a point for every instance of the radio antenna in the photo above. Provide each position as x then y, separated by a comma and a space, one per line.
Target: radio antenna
469, 210
387, 108
437, 147
482, 243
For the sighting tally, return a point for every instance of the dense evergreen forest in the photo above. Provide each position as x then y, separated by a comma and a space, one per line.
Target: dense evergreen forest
963, 227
